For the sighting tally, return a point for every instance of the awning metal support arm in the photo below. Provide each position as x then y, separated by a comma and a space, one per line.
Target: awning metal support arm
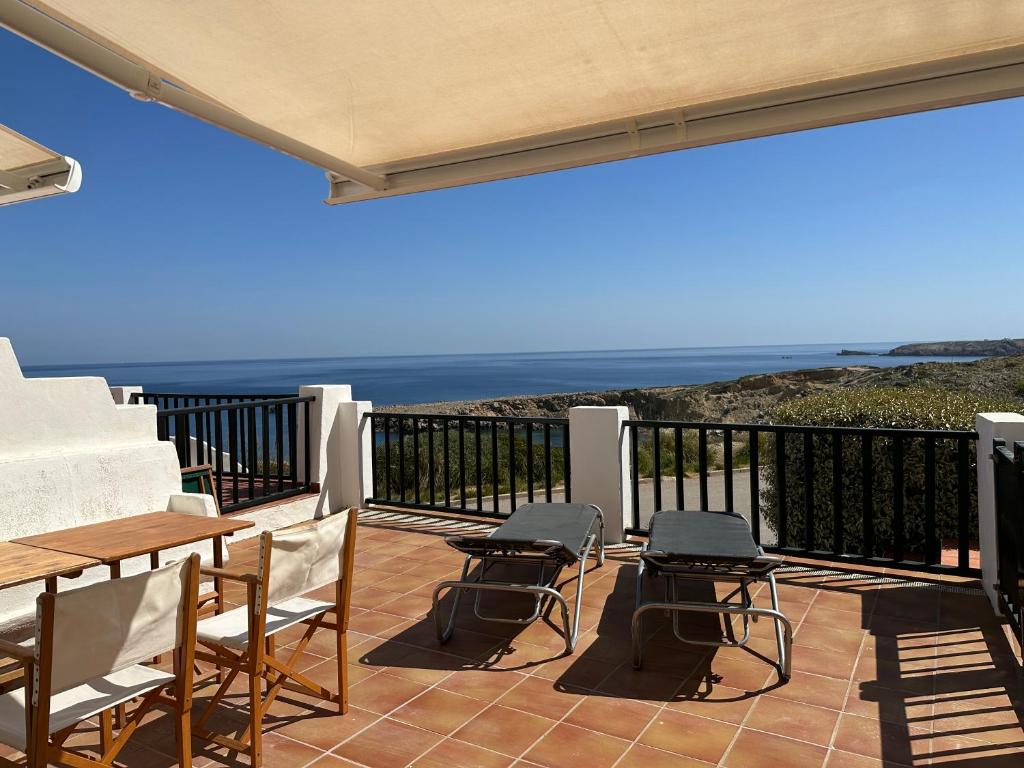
65, 42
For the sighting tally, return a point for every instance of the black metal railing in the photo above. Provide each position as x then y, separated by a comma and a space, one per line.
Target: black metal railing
1009, 491
897, 497
256, 447
167, 400
481, 465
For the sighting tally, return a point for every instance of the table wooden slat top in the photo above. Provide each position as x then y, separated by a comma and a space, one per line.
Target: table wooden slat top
21, 564
115, 540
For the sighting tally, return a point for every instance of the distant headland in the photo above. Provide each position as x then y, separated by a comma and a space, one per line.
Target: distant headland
984, 348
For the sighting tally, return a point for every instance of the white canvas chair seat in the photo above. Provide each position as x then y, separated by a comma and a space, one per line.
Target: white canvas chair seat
81, 702
231, 629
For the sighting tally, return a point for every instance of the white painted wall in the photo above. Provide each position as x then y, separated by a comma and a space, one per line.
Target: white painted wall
600, 464
69, 455
1010, 427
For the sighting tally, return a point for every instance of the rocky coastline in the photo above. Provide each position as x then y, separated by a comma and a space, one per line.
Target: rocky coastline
749, 399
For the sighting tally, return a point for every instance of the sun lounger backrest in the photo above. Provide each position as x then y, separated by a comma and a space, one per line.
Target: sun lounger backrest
111, 625
305, 557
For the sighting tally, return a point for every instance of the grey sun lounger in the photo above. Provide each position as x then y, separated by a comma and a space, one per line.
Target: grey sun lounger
715, 547
547, 537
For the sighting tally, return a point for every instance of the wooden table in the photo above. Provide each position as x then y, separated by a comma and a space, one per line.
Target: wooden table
112, 541
21, 564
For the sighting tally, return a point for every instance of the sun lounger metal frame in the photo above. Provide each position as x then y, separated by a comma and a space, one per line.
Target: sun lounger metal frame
549, 556
744, 566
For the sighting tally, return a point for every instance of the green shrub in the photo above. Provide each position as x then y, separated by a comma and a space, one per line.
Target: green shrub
1018, 388
910, 408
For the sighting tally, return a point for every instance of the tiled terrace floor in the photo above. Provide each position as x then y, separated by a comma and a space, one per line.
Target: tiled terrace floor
888, 671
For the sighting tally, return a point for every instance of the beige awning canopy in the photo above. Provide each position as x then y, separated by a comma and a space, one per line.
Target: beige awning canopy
29, 170
392, 96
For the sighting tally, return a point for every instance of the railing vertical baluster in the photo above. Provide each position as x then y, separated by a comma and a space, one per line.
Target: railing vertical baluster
431, 483
265, 435
899, 526
529, 462
233, 444
780, 490
702, 453
279, 440
931, 546
309, 470
250, 451
462, 463
200, 440
656, 469
547, 462
182, 439
808, 491
374, 462
387, 458
838, 519
512, 467
867, 499
416, 459
566, 464
401, 458
293, 450
963, 503
680, 466
218, 427
447, 465
478, 456
755, 486
727, 462
634, 473
494, 465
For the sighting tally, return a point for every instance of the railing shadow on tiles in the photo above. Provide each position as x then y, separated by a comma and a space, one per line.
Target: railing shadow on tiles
255, 444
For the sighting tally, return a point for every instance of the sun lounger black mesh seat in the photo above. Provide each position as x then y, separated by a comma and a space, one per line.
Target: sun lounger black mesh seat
708, 546
547, 537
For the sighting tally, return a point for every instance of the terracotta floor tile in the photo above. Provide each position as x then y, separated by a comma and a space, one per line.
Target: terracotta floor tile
639, 756
504, 730
540, 697
818, 661
754, 749
736, 669
840, 759
689, 735
793, 720
383, 693
387, 744
484, 685
439, 711
721, 702
873, 738
623, 718
843, 641
567, 746
372, 623
327, 730
455, 754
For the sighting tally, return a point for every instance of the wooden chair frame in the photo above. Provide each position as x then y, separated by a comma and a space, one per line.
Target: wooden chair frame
44, 748
260, 661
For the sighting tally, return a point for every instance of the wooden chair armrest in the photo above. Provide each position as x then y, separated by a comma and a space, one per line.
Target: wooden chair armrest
19, 652
234, 574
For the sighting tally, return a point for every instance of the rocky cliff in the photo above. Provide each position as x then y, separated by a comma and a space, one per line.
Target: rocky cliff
986, 348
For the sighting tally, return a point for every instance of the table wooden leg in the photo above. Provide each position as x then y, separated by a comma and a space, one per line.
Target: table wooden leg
51, 585
218, 588
120, 712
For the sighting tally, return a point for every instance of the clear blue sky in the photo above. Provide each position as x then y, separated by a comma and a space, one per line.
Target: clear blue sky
186, 242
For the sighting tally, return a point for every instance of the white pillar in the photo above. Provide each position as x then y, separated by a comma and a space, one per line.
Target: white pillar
123, 395
324, 442
599, 463
356, 452
1010, 427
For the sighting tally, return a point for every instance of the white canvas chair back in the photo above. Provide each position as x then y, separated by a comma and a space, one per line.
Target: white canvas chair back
111, 625
305, 557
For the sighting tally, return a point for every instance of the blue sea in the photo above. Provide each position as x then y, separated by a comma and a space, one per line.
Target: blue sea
430, 378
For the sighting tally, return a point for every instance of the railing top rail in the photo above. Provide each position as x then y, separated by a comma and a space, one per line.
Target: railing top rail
947, 434
236, 406
259, 396
467, 417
